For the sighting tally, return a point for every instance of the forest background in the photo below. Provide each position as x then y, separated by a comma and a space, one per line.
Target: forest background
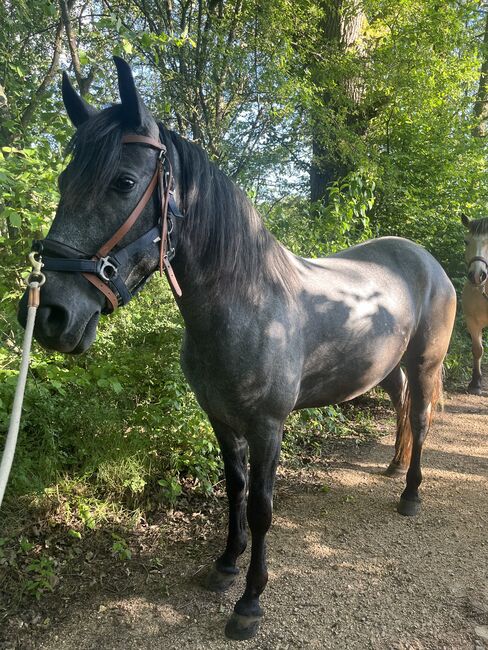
342, 120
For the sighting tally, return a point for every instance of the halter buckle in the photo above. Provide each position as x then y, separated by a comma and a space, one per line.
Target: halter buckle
107, 270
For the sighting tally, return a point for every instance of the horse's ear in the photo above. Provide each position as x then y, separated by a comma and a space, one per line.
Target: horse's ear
134, 109
465, 220
78, 109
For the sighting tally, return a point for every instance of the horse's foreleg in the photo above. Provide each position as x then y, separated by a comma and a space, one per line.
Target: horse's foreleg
264, 447
477, 348
234, 453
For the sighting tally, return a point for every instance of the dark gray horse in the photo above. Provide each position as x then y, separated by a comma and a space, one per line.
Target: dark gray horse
266, 332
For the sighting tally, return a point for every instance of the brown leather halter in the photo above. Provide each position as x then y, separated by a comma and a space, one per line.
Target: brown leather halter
101, 270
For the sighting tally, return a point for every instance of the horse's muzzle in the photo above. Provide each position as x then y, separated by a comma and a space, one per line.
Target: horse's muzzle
65, 325
477, 276
477, 271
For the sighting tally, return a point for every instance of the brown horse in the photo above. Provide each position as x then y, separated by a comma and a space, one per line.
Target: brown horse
475, 298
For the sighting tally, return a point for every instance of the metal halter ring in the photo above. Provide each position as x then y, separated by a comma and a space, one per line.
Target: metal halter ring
106, 265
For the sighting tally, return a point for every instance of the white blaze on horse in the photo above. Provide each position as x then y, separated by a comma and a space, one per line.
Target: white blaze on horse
475, 298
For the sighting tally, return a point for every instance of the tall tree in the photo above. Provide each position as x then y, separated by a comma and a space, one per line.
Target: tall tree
480, 109
338, 97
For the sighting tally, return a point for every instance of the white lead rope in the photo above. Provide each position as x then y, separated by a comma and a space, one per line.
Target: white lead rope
35, 281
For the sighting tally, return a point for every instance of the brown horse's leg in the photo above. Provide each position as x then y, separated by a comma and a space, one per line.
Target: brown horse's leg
264, 448
477, 347
234, 453
395, 385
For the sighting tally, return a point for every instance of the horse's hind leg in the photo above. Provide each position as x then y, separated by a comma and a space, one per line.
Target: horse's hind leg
395, 384
234, 453
476, 333
425, 385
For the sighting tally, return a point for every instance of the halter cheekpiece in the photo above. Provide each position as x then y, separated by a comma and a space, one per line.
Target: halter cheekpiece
102, 269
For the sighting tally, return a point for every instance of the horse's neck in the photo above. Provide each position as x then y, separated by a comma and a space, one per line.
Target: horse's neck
224, 254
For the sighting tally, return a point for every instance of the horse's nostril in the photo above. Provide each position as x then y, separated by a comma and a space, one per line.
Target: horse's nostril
482, 277
52, 319
471, 276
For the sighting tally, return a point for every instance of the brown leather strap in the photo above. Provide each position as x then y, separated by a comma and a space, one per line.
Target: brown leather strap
131, 219
156, 180
142, 139
170, 274
164, 198
101, 286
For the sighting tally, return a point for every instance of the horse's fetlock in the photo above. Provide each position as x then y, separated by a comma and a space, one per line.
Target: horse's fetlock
249, 607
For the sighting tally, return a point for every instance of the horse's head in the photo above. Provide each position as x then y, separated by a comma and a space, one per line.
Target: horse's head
476, 253
108, 233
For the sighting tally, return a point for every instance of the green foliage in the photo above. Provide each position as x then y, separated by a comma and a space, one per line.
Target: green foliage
120, 548
121, 418
41, 576
315, 230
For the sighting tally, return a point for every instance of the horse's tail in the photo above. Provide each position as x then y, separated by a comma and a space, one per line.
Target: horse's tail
404, 436
437, 394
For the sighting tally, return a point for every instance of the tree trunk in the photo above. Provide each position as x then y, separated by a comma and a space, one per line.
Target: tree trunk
341, 28
480, 109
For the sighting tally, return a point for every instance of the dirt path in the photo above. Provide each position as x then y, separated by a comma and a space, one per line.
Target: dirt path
346, 572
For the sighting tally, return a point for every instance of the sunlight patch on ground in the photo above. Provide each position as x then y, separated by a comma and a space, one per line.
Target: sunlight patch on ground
354, 477
317, 548
285, 523
136, 607
449, 475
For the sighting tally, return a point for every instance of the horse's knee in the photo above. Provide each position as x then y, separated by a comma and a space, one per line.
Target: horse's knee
477, 350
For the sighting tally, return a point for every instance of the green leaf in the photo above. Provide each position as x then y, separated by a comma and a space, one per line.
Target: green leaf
127, 46
14, 219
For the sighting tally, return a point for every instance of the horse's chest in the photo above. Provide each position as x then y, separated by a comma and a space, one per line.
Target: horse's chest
234, 379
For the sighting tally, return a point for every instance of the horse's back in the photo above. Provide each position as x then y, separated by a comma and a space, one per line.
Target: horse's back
361, 310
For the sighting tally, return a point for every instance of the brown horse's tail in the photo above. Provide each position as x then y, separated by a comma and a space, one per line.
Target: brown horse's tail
403, 446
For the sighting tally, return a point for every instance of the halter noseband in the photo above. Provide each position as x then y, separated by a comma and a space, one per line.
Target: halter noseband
478, 259
102, 269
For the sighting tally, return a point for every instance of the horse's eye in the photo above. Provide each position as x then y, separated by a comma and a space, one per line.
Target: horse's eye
466, 241
123, 184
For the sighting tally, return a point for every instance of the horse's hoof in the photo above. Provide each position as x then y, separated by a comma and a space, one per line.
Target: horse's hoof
408, 508
393, 470
474, 390
219, 581
241, 627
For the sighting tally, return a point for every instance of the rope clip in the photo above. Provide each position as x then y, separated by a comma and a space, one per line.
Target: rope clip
36, 277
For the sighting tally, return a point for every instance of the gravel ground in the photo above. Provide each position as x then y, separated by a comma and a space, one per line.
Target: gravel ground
346, 571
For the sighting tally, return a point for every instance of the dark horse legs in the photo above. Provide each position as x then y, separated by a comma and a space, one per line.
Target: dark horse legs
264, 448
425, 381
234, 453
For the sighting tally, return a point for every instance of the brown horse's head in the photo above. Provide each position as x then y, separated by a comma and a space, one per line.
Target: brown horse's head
476, 254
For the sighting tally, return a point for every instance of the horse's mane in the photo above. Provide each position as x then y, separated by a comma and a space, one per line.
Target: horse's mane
222, 229
479, 226
222, 233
